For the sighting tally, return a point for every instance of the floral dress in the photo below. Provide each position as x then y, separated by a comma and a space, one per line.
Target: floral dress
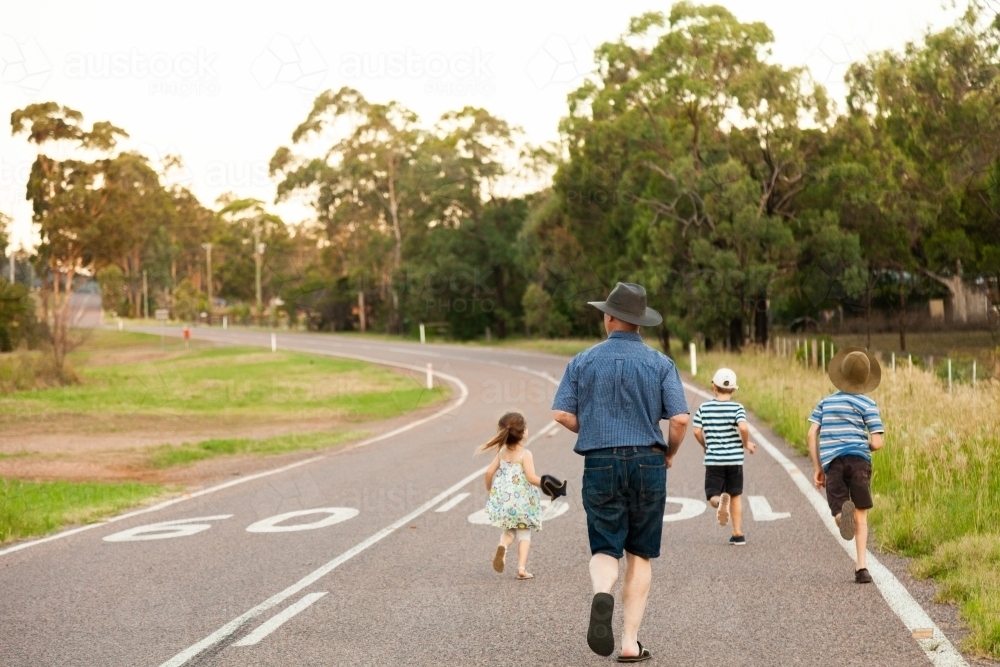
514, 502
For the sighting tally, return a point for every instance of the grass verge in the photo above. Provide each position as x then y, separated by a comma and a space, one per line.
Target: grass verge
28, 509
168, 456
936, 482
129, 375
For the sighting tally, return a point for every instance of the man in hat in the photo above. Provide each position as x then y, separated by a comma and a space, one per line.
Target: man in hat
845, 429
614, 396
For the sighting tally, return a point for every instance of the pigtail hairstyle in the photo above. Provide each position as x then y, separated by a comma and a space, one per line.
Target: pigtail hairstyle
510, 431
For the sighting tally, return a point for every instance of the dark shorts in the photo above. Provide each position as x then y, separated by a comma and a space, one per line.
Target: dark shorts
849, 478
723, 479
624, 493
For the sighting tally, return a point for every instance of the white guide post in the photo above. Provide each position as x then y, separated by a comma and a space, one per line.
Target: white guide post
430, 376
274, 342
225, 321
694, 358
423, 334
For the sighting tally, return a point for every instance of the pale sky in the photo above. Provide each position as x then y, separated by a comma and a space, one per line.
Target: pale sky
224, 84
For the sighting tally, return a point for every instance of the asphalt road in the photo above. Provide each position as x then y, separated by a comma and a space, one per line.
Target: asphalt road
389, 580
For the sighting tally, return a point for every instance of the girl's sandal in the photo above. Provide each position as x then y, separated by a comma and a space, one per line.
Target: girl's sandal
499, 558
522, 573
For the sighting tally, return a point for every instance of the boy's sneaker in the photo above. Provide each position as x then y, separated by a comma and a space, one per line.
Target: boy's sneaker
738, 540
862, 576
847, 521
723, 512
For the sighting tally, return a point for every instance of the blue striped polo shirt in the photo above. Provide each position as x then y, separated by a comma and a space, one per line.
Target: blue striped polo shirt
718, 421
845, 420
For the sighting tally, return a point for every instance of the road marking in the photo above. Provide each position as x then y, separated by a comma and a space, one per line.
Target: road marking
550, 510
761, 510
165, 530
270, 525
690, 508
234, 625
278, 620
938, 649
451, 503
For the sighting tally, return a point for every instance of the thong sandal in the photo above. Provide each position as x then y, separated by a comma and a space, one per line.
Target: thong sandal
499, 558
525, 575
599, 637
644, 655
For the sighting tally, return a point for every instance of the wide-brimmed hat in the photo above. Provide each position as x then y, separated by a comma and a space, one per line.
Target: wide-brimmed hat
854, 370
627, 302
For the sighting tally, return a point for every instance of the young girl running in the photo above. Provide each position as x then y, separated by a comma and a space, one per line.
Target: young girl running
514, 504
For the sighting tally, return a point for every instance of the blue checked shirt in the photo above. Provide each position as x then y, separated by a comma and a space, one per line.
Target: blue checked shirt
619, 391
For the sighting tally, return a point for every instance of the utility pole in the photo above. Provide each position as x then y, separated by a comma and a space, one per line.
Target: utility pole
258, 260
145, 296
208, 261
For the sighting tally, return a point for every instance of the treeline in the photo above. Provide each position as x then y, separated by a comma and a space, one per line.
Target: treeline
730, 186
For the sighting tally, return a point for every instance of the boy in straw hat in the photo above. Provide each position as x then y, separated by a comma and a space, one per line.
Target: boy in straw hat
845, 429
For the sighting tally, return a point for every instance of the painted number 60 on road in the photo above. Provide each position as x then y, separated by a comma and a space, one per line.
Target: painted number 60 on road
187, 527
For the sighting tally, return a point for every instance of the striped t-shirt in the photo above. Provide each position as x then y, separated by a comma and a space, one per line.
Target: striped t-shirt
845, 420
718, 420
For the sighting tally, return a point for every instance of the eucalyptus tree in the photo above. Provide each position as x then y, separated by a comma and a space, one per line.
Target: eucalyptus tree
70, 204
686, 153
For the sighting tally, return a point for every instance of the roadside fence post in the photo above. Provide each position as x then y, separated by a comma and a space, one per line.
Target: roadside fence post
815, 354
225, 321
121, 324
973, 373
893, 362
430, 376
694, 358
274, 342
822, 364
423, 336
949, 376
910, 360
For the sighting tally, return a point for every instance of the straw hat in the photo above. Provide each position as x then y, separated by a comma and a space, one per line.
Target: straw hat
853, 370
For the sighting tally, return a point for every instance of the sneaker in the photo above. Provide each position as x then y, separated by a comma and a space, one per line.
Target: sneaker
738, 540
723, 512
847, 521
862, 576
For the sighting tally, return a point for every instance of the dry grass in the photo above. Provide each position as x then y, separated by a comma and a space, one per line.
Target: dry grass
937, 482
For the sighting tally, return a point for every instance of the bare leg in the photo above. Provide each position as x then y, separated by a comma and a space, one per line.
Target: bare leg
603, 573
506, 539
861, 536
635, 592
522, 556
714, 501
736, 510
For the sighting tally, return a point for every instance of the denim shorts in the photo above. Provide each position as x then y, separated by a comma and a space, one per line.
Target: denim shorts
624, 493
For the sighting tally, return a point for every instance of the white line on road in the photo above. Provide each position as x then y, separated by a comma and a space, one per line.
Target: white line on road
761, 510
278, 620
451, 503
938, 649
234, 625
